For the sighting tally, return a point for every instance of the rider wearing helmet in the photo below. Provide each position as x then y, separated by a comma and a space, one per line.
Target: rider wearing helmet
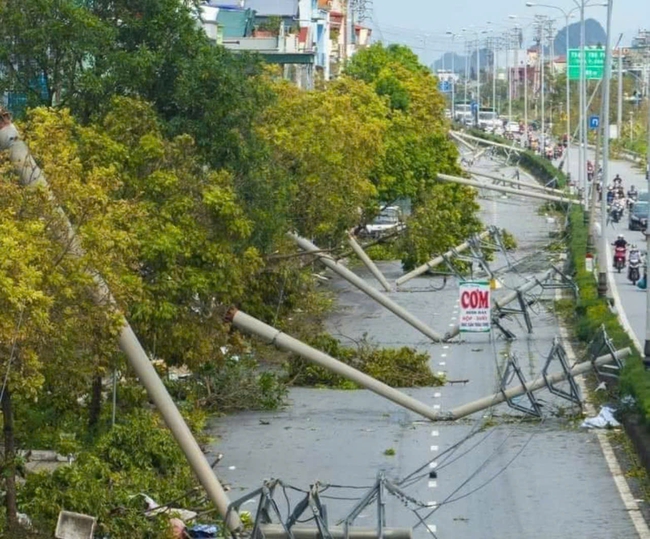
620, 241
618, 181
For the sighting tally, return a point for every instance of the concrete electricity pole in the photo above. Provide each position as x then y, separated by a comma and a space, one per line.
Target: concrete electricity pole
453, 76
582, 170
619, 108
509, 76
466, 70
31, 176
478, 80
495, 71
603, 262
646, 346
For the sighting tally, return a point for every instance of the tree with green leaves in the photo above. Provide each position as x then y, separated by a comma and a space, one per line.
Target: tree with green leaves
417, 149
323, 144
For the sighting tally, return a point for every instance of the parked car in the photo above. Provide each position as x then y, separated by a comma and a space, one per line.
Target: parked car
389, 220
639, 216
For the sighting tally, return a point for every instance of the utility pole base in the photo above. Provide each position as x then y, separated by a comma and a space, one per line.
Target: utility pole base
602, 285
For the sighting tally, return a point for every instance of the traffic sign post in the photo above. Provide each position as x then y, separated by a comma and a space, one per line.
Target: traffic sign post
594, 122
594, 64
444, 86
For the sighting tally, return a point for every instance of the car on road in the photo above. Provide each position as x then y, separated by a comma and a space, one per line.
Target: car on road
639, 216
513, 128
389, 220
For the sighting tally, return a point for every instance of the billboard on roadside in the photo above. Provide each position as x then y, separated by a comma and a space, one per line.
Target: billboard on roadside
475, 307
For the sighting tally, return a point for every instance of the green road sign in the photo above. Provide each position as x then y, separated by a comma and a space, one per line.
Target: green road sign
594, 64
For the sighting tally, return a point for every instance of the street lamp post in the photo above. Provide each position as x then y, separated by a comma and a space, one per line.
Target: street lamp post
509, 79
495, 56
567, 15
478, 80
646, 346
543, 89
603, 263
453, 77
478, 71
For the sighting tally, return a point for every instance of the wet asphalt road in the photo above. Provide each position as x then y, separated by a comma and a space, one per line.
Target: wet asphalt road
499, 474
633, 300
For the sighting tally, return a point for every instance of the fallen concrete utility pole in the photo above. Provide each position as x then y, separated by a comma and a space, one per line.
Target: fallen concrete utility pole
283, 341
357, 281
508, 190
437, 260
32, 176
508, 298
540, 383
277, 531
368, 262
487, 142
533, 186
462, 141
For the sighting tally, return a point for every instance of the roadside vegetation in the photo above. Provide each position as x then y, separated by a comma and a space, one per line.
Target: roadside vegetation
181, 167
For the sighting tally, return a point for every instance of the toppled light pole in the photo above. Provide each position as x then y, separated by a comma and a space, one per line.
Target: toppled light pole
527, 185
487, 142
508, 298
539, 383
32, 176
437, 260
283, 341
507, 190
357, 281
461, 140
368, 262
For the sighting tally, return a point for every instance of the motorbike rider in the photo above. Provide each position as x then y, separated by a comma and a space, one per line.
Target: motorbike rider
617, 209
618, 244
620, 241
632, 193
610, 195
634, 264
618, 181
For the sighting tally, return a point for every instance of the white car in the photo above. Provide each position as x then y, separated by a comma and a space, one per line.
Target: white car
389, 220
512, 127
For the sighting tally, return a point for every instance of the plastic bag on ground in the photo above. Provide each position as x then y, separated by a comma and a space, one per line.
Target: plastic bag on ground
603, 420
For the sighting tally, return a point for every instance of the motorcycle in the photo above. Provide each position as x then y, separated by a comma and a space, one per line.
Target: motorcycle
634, 266
616, 212
619, 258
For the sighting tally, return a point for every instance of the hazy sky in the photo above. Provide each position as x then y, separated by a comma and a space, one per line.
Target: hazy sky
422, 24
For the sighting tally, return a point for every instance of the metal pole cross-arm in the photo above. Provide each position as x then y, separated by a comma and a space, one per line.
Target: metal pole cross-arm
539, 383
437, 260
31, 176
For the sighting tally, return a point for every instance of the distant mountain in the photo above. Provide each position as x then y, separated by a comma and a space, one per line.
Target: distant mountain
594, 35
459, 62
